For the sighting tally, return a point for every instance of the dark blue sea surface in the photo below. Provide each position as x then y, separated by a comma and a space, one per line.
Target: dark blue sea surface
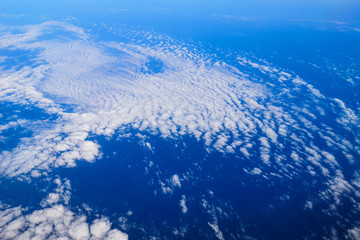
134, 181
127, 178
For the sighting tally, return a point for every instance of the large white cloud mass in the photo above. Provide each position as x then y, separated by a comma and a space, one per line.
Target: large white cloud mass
227, 109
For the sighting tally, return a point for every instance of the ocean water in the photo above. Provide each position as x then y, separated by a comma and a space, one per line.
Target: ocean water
72, 134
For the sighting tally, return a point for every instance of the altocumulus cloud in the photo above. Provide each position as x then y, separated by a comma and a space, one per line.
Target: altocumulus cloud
215, 103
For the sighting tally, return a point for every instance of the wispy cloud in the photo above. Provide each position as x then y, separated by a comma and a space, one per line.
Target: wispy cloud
319, 21
13, 16
237, 18
330, 24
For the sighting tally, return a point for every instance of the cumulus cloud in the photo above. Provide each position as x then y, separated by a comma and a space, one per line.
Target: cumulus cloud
62, 194
353, 233
12, 124
175, 181
100, 227
183, 206
56, 222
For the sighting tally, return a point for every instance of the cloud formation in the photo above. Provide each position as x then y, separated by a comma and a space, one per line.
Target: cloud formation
250, 109
110, 88
54, 220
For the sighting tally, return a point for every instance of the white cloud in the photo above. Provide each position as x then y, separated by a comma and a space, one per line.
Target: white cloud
175, 181
13, 16
62, 194
12, 124
79, 229
55, 222
217, 231
256, 171
100, 227
183, 206
115, 234
353, 233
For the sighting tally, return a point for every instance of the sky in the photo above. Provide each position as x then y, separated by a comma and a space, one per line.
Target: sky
346, 10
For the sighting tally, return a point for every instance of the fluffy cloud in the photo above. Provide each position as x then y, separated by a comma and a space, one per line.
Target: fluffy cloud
56, 222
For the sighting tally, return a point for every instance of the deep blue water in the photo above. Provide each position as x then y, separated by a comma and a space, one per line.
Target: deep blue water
123, 180
10, 113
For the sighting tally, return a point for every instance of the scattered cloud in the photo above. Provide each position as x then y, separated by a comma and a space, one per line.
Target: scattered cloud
183, 206
263, 113
54, 221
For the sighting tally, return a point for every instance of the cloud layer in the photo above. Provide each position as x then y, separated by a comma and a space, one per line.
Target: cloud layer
251, 109
106, 82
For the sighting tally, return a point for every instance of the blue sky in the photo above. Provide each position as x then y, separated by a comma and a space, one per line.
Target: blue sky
347, 10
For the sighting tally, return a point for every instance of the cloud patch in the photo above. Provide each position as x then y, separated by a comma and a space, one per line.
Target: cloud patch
56, 222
